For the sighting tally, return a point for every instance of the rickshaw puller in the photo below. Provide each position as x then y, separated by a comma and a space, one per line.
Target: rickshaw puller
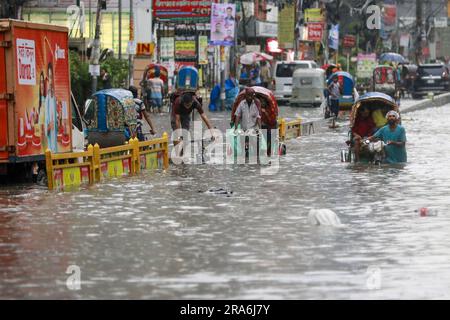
181, 111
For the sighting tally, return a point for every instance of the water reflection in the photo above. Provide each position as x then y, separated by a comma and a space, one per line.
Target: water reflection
156, 236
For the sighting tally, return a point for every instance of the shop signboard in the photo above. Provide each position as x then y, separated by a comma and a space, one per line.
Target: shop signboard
182, 9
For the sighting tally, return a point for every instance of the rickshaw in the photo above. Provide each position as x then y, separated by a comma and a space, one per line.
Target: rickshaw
149, 73
348, 91
108, 114
385, 80
187, 81
269, 114
308, 87
371, 152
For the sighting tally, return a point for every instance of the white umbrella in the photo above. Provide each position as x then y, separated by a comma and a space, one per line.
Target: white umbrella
253, 57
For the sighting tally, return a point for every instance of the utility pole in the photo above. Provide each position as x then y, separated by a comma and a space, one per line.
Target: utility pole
130, 51
244, 23
419, 31
95, 56
222, 77
120, 29
90, 18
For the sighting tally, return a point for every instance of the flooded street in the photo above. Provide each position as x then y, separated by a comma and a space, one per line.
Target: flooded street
160, 236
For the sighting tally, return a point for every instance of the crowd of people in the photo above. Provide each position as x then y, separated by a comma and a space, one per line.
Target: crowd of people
370, 125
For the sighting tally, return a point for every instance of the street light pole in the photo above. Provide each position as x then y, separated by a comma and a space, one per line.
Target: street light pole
419, 31
96, 48
120, 29
130, 54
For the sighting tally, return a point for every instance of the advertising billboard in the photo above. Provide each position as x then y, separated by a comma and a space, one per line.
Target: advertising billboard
223, 24
42, 91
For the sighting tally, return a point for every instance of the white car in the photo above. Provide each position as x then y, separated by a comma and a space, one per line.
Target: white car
282, 77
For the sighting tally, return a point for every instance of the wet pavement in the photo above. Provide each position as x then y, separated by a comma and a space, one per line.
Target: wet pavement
160, 236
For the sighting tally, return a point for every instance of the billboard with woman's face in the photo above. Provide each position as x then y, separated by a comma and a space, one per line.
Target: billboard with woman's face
42, 91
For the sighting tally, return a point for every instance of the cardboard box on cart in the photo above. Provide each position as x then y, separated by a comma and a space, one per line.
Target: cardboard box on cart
35, 109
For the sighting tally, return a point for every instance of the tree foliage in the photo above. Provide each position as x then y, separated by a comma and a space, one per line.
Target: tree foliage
80, 79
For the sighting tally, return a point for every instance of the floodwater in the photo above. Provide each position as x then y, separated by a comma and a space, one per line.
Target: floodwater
158, 236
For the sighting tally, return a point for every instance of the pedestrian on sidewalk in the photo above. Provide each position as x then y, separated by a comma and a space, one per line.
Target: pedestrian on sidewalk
156, 86
265, 74
334, 93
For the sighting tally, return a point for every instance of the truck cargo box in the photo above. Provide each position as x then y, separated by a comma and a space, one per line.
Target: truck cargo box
35, 111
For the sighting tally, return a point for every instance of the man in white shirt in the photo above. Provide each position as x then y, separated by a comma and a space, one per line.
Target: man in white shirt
248, 112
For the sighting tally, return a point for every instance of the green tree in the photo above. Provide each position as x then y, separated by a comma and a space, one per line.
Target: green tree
80, 79
118, 70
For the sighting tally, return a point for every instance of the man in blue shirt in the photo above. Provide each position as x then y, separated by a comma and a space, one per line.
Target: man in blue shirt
394, 136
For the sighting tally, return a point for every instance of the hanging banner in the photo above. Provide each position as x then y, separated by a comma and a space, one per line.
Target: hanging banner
313, 15
315, 31
333, 40
203, 50
223, 24
286, 23
388, 20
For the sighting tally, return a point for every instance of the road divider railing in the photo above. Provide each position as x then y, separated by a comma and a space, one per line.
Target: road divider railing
289, 129
95, 164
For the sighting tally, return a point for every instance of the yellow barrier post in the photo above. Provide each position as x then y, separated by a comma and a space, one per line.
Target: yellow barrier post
299, 127
90, 149
49, 168
96, 163
135, 165
282, 129
166, 150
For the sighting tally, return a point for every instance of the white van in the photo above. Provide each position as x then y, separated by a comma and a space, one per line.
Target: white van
282, 77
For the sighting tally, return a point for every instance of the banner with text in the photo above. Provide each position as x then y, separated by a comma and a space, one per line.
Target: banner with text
286, 25
315, 31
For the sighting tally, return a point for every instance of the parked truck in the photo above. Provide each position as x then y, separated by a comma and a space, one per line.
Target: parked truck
37, 110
